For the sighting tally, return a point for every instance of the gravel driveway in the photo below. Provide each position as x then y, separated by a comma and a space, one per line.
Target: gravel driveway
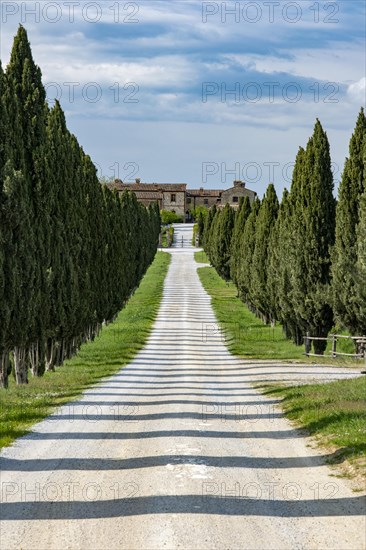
178, 450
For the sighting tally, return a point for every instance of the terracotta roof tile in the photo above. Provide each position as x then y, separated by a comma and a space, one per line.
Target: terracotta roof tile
204, 192
149, 195
148, 186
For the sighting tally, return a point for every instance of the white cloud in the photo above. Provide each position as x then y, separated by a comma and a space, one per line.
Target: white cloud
339, 63
155, 73
168, 54
357, 91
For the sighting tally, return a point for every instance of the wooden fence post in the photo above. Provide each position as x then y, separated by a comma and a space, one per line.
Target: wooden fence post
334, 346
307, 344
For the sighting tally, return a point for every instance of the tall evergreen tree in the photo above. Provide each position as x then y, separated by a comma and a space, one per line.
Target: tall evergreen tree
71, 253
279, 270
4, 299
360, 277
3, 128
221, 244
246, 249
260, 293
290, 245
26, 105
208, 229
240, 220
201, 227
313, 236
20, 268
344, 257
213, 236
26, 108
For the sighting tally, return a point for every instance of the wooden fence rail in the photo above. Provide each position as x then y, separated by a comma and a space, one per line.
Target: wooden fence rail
360, 341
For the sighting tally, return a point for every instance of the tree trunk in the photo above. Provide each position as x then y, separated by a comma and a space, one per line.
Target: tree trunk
21, 365
299, 338
37, 358
4, 369
307, 344
60, 357
319, 346
51, 349
33, 358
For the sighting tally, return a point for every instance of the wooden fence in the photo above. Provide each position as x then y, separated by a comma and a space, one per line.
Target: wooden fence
360, 342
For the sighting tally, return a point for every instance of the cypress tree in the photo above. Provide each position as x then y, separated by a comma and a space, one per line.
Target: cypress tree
3, 128
201, 227
223, 228
71, 253
20, 267
26, 105
26, 108
313, 236
267, 215
279, 270
94, 206
360, 278
57, 154
290, 246
213, 237
344, 257
4, 298
246, 249
208, 229
240, 220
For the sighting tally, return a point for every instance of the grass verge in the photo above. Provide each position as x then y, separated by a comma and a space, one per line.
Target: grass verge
167, 237
201, 257
334, 412
245, 334
118, 343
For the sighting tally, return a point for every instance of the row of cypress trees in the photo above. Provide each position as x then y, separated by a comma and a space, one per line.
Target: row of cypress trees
71, 251
301, 262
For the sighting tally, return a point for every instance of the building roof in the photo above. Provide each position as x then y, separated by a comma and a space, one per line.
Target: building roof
144, 187
241, 188
148, 195
204, 192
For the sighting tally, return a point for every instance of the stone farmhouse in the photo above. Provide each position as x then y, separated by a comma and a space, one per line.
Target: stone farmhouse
176, 198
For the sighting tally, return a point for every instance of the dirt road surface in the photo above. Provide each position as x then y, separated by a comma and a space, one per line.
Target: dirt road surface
178, 450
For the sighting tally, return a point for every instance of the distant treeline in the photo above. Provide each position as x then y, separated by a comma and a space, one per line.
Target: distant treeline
301, 262
71, 250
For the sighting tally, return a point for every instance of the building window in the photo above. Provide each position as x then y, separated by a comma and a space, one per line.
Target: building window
205, 201
172, 197
235, 199
188, 201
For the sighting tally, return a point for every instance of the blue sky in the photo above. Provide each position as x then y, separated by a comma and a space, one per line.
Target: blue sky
199, 92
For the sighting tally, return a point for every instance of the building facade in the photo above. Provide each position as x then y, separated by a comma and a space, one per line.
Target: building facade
169, 196
233, 195
176, 198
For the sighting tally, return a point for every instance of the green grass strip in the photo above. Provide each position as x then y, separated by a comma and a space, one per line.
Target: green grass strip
246, 335
201, 257
336, 411
118, 343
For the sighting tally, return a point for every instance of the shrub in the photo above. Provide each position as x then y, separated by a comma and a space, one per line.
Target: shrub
168, 217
